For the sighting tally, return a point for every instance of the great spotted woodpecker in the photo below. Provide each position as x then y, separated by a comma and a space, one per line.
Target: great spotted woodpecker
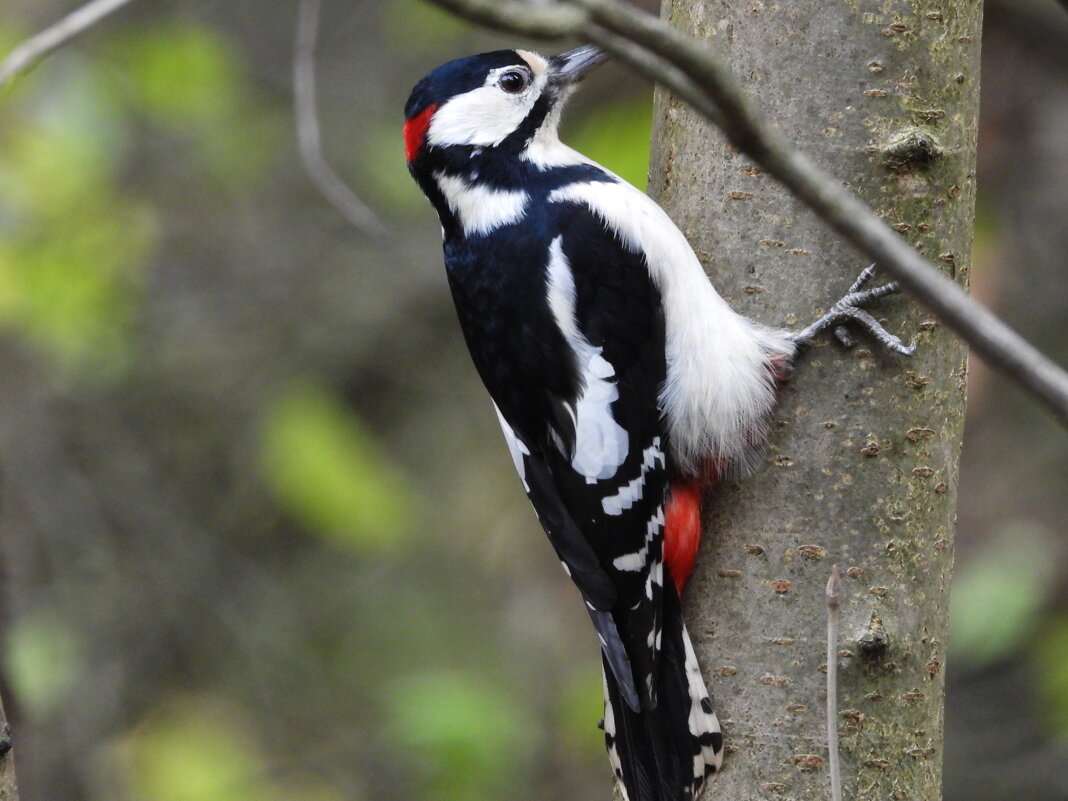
623, 382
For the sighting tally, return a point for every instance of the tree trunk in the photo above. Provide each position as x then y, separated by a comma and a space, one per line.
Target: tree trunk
862, 465
9, 788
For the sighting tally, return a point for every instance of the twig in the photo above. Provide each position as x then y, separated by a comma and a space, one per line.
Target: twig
524, 19
834, 601
309, 141
694, 72
37, 47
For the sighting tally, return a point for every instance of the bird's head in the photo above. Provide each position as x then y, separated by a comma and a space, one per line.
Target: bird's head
499, 100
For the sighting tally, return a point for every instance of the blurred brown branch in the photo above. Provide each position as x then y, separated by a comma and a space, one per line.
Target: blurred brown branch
309, 141
694, 72
37, 47
9, 786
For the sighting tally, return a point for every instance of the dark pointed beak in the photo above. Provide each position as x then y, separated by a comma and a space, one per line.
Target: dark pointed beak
572, 66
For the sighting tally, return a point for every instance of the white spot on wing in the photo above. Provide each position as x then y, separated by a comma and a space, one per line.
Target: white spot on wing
632, 562
481, 209
601, 444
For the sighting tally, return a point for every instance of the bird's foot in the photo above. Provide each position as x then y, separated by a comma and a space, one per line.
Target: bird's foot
850, 308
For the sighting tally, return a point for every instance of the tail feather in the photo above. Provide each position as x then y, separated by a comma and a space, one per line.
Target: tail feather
666, 753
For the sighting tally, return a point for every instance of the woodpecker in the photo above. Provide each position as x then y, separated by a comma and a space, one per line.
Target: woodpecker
623, 383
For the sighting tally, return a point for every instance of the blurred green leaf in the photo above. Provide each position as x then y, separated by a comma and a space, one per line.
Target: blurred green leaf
196, 752
72, 288
1051, 663
617, 135
387, 171
325, 468
190, 79
42, 659
179, 72
200, 749
72, 248
65, 147
410, 26
997, 593
987, 233
580, 706
469, 736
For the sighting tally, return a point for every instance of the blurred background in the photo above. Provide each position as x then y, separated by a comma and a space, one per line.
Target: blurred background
259, 535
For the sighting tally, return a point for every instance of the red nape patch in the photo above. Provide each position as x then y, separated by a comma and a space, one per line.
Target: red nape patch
415, 131
682, 531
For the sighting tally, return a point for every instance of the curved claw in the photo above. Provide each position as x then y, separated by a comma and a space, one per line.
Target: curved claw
845, 339
862, 279
879, 333
851, 308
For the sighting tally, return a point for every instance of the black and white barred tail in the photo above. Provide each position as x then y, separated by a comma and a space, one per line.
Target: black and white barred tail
666, 753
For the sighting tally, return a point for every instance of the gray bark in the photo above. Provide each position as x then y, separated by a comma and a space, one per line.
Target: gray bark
862, 465
9, 786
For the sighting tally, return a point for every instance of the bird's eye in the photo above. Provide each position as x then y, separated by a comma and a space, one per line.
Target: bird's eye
512, 81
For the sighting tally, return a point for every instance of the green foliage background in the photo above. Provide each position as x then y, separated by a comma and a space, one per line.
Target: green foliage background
259, 537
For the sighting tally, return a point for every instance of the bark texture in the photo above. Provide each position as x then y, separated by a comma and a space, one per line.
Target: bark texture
862, 465
9, 787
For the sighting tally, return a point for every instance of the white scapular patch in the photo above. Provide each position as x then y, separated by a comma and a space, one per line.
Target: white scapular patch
601, 444
481, 209
517, 450
719, 389
631, 492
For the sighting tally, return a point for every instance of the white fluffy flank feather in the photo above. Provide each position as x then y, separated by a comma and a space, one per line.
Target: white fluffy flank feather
719, 390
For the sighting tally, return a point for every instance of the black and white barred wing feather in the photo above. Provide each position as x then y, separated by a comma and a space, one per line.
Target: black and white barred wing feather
597, 476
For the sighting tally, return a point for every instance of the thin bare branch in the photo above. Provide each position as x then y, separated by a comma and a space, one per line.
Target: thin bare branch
834, 604
525, 19
694, 72
309, 140
37, 47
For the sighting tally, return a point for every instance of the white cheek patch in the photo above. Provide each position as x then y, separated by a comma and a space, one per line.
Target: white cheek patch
483, 117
